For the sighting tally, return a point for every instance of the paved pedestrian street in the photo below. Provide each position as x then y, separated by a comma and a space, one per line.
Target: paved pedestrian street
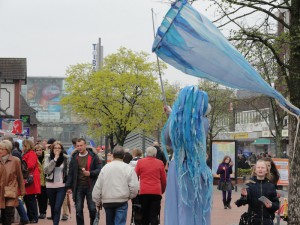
220, 216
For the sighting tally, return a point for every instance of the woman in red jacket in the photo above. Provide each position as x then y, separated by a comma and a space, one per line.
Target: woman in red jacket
152, 175
33, 188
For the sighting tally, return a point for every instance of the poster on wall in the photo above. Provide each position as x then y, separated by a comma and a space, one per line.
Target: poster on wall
220, 149
14, 126
282, 166
44, 94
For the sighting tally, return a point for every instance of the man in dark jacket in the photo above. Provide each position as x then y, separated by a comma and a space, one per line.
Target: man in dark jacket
85, 167
160, 155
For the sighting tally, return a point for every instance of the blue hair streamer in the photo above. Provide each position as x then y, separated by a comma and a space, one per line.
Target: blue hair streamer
186, 132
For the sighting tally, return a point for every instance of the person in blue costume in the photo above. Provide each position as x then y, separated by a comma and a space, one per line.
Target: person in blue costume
189, 182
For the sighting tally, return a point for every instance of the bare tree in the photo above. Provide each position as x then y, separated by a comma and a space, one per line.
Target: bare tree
275, 25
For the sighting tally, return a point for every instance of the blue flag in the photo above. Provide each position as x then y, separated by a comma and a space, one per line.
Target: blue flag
191, 43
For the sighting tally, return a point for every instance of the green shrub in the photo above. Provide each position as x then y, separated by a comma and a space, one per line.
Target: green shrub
243, 172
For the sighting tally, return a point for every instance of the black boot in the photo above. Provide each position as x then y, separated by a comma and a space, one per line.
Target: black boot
225, 204
228, 203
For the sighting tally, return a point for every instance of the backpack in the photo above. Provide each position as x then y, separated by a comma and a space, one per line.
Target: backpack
25, 170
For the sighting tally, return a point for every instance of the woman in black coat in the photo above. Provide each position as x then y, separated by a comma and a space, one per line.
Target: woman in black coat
262, 209
225, 169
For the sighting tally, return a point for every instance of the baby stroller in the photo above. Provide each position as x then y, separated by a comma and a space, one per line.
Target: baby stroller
136, 216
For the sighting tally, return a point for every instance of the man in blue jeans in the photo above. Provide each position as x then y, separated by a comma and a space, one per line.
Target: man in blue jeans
84, 169
116, 184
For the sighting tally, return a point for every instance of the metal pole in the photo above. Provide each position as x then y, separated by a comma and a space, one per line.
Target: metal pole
143, 143
158, 66
106, 148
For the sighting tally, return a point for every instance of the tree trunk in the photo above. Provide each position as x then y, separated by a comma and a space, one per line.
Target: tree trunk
294, 84
278, 143
111, 142
294, 180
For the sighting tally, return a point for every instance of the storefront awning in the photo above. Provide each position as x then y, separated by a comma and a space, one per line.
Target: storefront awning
261, 141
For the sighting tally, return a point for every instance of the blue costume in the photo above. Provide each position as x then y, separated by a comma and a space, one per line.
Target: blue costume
189, 184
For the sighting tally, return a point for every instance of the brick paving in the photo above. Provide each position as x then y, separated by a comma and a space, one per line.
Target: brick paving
220, 216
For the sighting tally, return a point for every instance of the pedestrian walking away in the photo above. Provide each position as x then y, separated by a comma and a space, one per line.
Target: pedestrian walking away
152, 176
116, 184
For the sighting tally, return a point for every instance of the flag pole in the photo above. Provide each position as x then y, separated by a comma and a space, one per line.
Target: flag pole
158, 66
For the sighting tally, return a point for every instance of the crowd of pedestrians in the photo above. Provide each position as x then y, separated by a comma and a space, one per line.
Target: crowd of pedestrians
54, 173
58, 173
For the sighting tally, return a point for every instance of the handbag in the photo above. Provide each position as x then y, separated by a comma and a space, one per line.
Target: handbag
29, 179
247, 218
10, 192
225, 186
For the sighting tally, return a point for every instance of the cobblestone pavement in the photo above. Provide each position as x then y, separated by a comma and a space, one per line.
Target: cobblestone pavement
220, 216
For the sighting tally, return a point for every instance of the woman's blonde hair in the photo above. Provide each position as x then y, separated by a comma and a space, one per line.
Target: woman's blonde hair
27, 145
7, 145
268, 174
39, 146
136, 152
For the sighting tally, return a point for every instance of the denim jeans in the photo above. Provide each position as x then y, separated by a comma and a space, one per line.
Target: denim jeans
82, 193
116, 215
22, 212
56, 198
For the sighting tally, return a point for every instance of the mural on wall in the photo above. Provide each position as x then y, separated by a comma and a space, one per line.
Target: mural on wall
44, 94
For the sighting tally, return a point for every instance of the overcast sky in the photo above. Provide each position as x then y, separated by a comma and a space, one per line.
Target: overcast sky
53, 34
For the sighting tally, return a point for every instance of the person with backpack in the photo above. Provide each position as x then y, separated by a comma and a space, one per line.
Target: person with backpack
32, 186
11, 183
